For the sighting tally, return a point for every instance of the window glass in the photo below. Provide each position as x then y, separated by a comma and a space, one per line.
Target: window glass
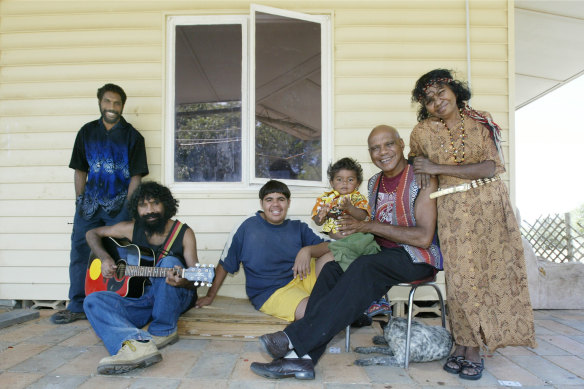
288, 102
208, 131
246, 100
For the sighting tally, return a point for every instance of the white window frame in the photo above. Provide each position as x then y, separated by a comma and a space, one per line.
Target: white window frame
247, 22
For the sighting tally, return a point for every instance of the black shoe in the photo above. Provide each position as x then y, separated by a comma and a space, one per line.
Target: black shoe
362, 321
301, 369
66, 316
276, 344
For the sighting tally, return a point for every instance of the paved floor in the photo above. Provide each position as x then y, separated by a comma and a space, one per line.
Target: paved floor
38, 354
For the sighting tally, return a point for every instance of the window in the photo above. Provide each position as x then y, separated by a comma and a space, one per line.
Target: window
229, 125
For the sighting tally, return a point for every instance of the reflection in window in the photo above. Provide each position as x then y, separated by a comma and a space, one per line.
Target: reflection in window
208, 103
208, 142
288, 131
246, 108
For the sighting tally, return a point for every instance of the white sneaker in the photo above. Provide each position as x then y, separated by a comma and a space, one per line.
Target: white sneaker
132, 355
163, 341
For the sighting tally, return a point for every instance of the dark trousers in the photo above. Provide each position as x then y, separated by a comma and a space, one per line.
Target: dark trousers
339, 298
79, 256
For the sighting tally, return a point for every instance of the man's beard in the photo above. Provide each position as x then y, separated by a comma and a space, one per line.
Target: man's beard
110, 120
151, 227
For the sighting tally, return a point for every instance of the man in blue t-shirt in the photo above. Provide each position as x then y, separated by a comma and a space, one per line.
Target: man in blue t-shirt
109, 159
277, 256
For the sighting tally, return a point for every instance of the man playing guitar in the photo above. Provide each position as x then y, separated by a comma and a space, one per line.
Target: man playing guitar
118, 320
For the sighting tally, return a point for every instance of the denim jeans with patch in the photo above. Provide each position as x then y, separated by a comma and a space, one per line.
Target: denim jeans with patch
116, 319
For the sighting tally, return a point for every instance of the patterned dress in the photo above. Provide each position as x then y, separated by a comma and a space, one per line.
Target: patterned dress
486, 280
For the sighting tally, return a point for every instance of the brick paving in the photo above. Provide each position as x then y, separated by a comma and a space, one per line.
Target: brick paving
38, 354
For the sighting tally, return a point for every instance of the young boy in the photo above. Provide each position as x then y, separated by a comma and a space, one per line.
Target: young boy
345, 177
276, 254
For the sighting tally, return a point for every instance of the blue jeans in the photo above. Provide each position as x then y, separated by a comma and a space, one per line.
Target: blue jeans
116, 319
79, 257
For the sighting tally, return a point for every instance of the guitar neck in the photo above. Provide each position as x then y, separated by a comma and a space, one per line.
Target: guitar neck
147, 271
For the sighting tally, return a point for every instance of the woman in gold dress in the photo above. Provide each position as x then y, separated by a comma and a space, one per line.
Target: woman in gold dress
486, 280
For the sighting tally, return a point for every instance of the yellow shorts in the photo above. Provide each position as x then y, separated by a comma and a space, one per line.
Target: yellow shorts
283, 302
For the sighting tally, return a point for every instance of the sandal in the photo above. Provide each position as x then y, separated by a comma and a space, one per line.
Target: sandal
372, 308
478, 369
380, 307
454, 360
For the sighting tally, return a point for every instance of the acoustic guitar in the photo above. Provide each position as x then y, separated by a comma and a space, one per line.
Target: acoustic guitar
135, 265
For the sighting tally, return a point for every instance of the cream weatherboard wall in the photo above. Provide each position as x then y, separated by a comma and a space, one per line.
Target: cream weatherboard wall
55, 54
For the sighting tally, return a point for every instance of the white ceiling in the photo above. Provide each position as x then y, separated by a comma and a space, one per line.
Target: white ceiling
549, 46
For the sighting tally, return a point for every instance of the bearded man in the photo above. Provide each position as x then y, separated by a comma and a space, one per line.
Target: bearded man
117, 320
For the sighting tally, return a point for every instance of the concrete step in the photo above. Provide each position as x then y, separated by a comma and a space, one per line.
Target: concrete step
17, 316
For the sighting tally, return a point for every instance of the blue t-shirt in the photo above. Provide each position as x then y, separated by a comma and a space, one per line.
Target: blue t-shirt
110, 159
267, 252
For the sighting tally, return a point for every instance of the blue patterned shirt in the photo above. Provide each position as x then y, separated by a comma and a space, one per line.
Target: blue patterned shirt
110, 159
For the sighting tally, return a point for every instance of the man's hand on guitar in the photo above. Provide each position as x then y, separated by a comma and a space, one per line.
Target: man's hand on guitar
173, 277
108, 268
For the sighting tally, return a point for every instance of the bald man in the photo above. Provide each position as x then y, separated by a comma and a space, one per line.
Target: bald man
404, 220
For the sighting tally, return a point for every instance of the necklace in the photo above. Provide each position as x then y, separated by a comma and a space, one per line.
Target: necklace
389, 193
456, 152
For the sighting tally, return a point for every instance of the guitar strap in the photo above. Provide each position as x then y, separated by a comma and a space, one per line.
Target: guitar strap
176, 227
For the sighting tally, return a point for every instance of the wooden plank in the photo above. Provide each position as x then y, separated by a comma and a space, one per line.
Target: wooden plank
35, 275
428, 16
45, 241
30, 291
404, 51
358, 119
137, 105
97, 72
420, 33
21, 174
80, 54
82, 22
358, 137
71, 124
37, 39
228, 318
27, 257
407, 68
373, 102
31, 225
53, 157
404, 85
77, 89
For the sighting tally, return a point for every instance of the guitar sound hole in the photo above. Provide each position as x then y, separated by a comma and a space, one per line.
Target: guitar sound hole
121, 270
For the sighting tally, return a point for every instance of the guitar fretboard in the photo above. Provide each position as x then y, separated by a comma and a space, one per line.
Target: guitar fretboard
145, 271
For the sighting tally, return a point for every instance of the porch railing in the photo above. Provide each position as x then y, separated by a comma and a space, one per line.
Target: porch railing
553, 237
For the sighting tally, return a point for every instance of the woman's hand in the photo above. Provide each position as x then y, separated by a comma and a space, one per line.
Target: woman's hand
424, 170
425, 166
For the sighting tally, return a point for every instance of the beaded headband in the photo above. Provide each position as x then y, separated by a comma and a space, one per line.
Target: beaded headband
432, 82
